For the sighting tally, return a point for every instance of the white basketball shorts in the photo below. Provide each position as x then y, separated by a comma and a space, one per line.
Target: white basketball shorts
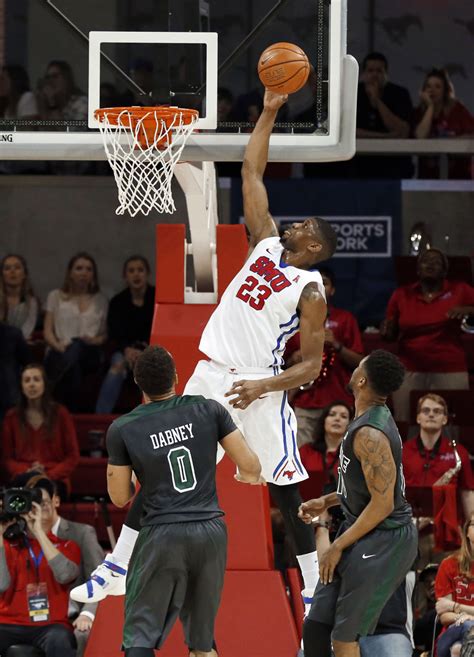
268, 424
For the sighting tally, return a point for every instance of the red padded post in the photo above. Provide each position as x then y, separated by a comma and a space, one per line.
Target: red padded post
232, 247
170, 259
247, 510
178, 328
254, 620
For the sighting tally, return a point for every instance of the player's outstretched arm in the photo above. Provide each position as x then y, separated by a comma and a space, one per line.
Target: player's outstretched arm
258, 219
237, 449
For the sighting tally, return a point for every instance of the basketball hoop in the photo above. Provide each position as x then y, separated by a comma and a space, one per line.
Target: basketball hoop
143, 146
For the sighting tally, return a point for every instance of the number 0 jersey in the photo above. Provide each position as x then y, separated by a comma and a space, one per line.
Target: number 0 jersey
258, 311
171, 446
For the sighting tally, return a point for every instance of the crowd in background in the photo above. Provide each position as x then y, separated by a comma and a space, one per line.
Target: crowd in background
74, 352
384, 110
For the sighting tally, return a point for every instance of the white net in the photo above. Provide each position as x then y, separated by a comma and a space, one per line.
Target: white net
143, 152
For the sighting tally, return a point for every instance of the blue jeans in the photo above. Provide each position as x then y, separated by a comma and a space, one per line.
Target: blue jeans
111, 385
385, 645
454, 634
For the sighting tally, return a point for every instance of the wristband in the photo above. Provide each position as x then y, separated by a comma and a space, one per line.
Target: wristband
321, 523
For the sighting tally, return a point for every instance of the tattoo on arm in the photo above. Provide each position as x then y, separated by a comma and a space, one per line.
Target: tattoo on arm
372, 448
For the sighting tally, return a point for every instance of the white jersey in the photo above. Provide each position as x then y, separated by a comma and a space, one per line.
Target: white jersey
258, 311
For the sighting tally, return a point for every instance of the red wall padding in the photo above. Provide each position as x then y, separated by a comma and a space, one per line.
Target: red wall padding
250, 545
254, 620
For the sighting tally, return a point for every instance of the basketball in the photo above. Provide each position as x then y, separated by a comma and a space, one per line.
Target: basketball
283, 68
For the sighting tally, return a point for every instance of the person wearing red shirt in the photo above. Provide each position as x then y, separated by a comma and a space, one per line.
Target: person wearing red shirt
426, 317
430, 455
441, 115
36, 569
39, 436
454, 587
343, 350
322, 454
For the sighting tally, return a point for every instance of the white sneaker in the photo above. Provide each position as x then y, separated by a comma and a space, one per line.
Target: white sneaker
107, 579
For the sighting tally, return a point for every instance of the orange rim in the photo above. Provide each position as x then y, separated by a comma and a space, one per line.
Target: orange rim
149, 117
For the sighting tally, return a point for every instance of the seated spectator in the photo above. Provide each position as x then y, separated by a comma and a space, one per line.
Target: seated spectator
454, 588
225, 104
18, 304
430, 455
322, 454
39, 436
75, 328
36, 569
58, 95
425, 317
426, 625
129, 322
384, 110
14, 354
81, 615
342, 353
17, 101
440, 114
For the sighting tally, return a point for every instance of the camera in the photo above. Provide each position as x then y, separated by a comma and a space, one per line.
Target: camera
18, 501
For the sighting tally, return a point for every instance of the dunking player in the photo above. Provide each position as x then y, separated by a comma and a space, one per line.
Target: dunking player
178, 565
377, 543
276, 293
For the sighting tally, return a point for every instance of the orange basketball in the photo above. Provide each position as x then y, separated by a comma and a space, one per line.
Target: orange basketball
283, 68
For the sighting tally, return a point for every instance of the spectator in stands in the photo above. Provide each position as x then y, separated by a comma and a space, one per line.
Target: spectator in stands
39, 436
322, 454
426, 623
36, 569
426, 317
82, 615
129, 325
440, 114
17, 101
384, 110
455, 594
430, 455
18, 304
75, 328
343, 351
14, 354
58, 95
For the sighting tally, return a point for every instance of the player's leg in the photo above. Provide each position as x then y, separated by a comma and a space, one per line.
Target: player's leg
319, 622
207, 550
156, 586
109, 576
269, 426
288, 499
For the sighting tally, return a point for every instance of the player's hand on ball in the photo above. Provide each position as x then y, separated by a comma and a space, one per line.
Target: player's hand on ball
246, 391
328, 562
274, 101
310, 509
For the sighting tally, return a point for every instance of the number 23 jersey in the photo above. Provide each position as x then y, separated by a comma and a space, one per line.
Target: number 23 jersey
258, 311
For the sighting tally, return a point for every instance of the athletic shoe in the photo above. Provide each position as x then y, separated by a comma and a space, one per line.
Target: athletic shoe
107, 579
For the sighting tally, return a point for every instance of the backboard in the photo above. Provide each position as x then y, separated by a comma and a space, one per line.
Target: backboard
200, 54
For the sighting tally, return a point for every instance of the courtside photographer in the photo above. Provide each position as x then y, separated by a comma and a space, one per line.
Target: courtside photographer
36, 569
